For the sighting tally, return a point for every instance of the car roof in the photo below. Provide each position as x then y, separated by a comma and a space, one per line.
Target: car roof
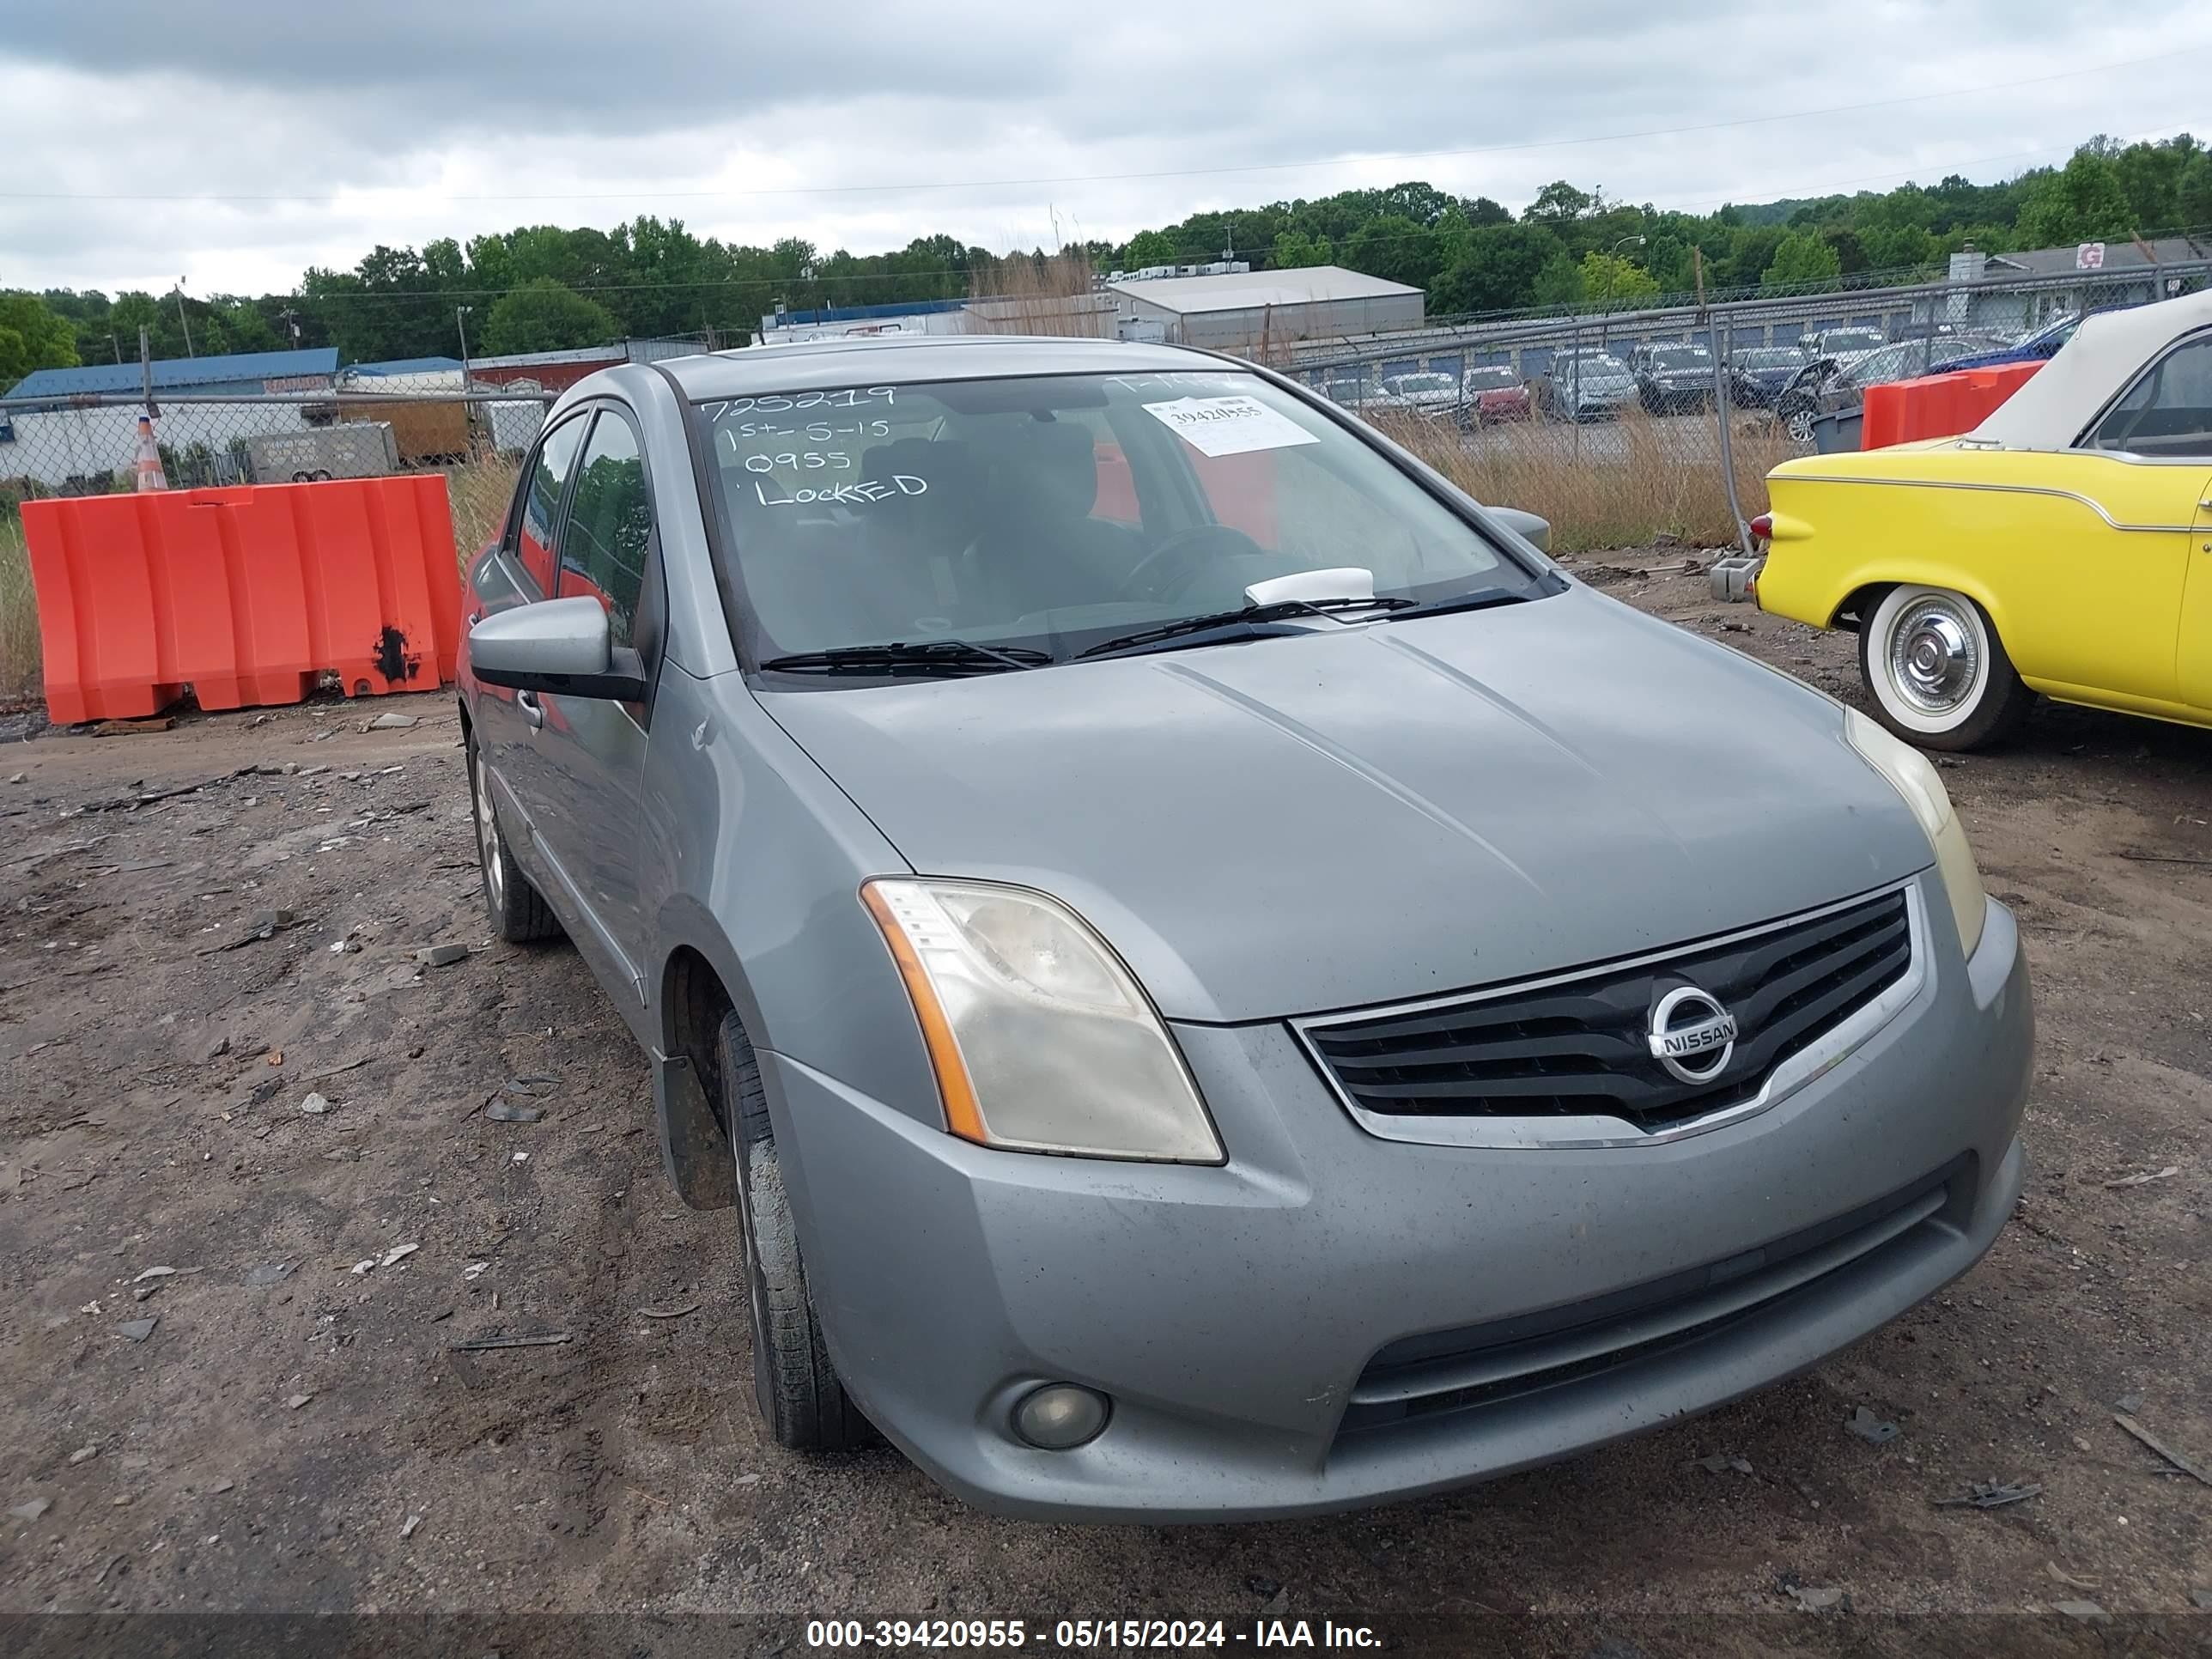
812, 364
2088, 371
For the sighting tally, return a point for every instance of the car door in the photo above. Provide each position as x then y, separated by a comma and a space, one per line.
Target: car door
518, 569
591, 750
2160, 428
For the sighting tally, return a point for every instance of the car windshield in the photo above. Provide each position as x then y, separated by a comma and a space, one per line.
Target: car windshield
1680, 357
1596, 368
1769, 357
1405, 383
1498, 379
1056, 513
1851, 339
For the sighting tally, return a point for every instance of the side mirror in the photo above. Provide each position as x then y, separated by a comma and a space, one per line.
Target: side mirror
556, 645
1536, 532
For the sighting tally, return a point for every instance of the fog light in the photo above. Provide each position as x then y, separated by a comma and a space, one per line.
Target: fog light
1060, 1416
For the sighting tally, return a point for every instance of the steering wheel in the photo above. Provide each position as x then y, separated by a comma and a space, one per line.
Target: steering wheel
1170, 568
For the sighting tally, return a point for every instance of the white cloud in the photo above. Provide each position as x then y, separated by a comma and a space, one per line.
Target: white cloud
409, 119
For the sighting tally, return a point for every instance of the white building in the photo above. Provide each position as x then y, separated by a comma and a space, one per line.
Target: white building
1238, 310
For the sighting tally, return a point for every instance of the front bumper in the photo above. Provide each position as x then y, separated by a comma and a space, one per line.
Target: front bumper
1232, 1313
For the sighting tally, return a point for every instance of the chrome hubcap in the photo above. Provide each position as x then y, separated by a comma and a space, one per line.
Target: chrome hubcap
488, 838
1935, 657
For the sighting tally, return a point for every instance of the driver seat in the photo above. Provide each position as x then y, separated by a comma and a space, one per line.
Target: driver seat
1037, 548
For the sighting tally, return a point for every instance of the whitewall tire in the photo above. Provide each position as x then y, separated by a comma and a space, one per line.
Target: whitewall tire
1937, 670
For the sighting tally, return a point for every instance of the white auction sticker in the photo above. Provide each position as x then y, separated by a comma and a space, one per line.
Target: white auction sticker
1230, 426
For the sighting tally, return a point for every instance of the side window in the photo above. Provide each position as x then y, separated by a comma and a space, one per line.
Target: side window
607, 538
2168, 412
531, 540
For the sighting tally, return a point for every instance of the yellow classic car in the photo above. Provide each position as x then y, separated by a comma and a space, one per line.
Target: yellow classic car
2063, 546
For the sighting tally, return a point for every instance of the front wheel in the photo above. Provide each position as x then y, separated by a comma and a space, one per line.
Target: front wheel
1798, 423
805, 1406
1939, 674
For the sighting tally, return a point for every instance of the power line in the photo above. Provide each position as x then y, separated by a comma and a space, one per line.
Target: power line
1948, 93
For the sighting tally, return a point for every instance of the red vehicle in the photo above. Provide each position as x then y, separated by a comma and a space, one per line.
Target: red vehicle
1494, 394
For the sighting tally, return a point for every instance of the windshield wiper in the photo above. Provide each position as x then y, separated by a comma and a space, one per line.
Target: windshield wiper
901, 657
1248, 623
1480, 599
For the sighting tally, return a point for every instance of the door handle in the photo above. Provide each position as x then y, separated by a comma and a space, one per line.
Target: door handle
531, 712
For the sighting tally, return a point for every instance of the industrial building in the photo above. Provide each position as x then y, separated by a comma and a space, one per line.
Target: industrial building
238, 373
1236, 311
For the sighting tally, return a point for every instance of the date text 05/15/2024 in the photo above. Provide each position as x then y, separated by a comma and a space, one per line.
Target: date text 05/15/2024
1084, 1635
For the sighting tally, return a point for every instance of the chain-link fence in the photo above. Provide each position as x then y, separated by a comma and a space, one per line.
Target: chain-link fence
1618, 426
1623, 427
90, 446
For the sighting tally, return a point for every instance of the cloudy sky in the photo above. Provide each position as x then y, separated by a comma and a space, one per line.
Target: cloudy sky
235, 141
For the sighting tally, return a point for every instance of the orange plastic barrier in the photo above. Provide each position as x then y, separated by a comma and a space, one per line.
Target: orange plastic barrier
1938, 405
246, 594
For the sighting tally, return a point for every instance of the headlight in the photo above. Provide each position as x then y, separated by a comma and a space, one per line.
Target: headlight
1040, 1040
1909, 774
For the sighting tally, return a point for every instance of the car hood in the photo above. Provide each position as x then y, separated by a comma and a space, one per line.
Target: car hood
1378, 812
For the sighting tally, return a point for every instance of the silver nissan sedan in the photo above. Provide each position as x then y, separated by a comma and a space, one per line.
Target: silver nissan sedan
1218, 981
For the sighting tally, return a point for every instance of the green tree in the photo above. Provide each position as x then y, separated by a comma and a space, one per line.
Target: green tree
1295, 251
32, 336
1801, 260
1146, 248
1497, 272
1394, 248
1611, 279
2192, 192
1559, 203
545, 315
2083, 202
1558, 281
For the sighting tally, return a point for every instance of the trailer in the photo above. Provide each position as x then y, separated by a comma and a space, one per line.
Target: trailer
355, 449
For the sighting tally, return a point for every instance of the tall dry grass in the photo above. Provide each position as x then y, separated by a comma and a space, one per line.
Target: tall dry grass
1618, 484
20, 654
1023, 293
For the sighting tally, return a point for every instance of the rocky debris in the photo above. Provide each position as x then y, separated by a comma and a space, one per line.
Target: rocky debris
2084, 1613
273, 1272
441, 956
137, 1330
1869, 1427
32, 1510
1989, 1495
83, 1455
392, 722
315, 1105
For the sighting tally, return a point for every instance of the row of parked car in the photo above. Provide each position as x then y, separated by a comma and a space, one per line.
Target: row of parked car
1826, 373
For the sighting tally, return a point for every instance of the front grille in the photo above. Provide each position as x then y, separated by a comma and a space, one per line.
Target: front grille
1417, 1378
1579, 1049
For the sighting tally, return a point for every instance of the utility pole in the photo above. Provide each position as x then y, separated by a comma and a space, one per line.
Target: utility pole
461, 322
184, 319
290, 319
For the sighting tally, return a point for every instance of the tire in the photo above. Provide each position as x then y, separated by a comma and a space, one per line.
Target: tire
1937, 672
520, 914
1798, 423
801, 1401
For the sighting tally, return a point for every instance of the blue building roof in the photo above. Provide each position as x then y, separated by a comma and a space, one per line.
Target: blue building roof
177, 373
405, 366
861, 313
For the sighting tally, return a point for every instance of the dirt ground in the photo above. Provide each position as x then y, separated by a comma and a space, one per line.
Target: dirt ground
298, 1404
